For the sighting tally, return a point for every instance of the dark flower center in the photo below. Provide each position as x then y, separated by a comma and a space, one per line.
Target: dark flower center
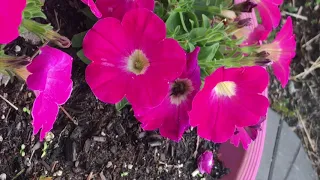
178, 88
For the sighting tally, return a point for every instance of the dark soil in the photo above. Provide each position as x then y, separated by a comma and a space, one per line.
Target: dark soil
299, 102
100, 143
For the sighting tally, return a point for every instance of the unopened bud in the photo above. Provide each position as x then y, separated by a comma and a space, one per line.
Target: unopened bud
244, 22
45, 32
263, 62
246, 6
263, 54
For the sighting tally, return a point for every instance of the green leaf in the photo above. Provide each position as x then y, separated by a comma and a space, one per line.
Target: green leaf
77, 39
120, 105
173, 21
87, 12
33, 9
186, 20
206, 22
208, 53
82, 57
160, 10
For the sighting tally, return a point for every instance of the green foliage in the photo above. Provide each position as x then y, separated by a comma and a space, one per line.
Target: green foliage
290, 8
120, 105
22, 148
281, 106
26, 110
124, 174
44, 150
78, 39
33, 10
82, 57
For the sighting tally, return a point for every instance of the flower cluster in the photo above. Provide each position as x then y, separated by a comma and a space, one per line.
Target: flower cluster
178, 63
132, 58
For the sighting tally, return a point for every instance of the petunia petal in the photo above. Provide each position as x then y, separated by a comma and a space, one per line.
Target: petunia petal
93, 7
241, 136
207, 115
269, 13
164, 63
105, 44
44, 114
144, 92
143, 28
10, 19
175, 124
117, 8
107, 83
281, 69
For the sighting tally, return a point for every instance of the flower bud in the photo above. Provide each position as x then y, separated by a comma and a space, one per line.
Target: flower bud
246, 6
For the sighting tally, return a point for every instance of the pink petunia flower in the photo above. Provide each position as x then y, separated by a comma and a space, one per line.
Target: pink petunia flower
171, 116
246, 135
281, 51
132, 59
93, 7
269, 12
10, 19
205, 162
258, 34
230, 98
117, 8
51, 80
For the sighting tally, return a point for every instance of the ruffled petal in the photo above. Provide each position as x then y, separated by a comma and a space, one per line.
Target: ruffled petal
253, 79
241, 136
143, 28
106, 42
164, 63
281, 70
44, 114
176, 123
269, 13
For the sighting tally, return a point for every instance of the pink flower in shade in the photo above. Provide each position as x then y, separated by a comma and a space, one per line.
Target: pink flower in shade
230, 98
258, 34
10, 19
51, 80
281, 51
246, 135
205, 162
171, 116
93, 7
269, 12
132, 59
117, 8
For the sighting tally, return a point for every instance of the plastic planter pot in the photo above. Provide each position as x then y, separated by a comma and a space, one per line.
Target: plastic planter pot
244, 164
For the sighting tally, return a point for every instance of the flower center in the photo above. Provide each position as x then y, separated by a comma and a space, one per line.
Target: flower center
138, 63
274, 50
225, 88
180, 89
